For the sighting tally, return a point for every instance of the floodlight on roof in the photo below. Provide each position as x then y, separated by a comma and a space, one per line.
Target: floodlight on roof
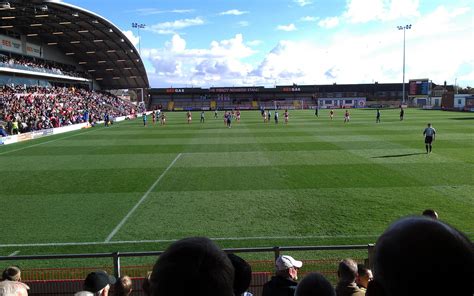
6, 27
52, 43
65, 23
31, 34
8, 17
70, 53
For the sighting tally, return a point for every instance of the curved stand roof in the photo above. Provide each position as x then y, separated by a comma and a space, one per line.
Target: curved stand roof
92, 41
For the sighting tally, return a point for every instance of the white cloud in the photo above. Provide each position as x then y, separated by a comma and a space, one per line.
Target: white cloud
362, 11
153, 11
254, 43
233, 12
302, 3
437, 47
287, 28
172, 27
329, 22
309, 19
133, 39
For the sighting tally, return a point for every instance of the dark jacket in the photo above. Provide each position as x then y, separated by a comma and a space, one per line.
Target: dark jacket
279, 286
348, 289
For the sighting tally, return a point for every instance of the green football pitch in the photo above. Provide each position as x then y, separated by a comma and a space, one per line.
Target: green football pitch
312, 181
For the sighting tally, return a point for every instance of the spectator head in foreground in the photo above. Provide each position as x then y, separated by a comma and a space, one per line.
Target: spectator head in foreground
430, 213
315, 284
364, 276
422, 256
12, 273
347, 273
287, 266
193, 266
242, 274
97, 283
11, 285
123, 287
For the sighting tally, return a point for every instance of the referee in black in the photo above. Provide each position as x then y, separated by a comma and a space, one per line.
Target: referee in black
429, 134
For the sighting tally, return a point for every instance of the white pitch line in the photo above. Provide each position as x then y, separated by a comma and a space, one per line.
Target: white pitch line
50, 141
117, 228
173, 240
215, 239
14, 254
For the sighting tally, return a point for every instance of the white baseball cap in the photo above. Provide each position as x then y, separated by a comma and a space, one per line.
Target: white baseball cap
285, 262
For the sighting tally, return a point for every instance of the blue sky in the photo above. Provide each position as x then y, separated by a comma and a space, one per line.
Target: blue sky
253, 42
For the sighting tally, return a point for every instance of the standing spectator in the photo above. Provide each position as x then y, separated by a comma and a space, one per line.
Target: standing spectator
193, 266
11, 283
364, 276
347, 273
3, 132
284, 282
419, 256
123, 287
97, 283
314, 284
430, 213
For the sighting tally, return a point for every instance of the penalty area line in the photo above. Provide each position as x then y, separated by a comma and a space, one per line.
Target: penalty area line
144, 197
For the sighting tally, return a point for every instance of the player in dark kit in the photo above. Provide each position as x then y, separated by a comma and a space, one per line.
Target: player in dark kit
429, 134
402, 113
377, 119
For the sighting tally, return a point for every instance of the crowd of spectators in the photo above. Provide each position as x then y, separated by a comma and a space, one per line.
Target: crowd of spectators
36, 108
38, 65
415, 256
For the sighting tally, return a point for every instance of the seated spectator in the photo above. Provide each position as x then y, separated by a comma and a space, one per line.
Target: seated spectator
97, 283
11, 285
314, 284
123, 287
242, 275
284, 282
364, 276
347, 273
193, 266
422, 256
430, 213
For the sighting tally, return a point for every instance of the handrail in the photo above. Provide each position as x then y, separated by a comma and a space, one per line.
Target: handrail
117, 255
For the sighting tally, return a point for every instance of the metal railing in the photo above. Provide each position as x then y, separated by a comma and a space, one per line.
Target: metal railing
117, 256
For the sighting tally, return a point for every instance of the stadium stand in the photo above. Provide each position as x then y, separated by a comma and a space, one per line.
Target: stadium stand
37, 108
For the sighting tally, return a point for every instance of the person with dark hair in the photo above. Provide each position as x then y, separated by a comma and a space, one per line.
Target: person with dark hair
193, 266
314, 284
364, 276
123, 287
421, 256
242, 275
430, 213
146, 285
429, 134
10, 284
347, 273
97, 283
284, 282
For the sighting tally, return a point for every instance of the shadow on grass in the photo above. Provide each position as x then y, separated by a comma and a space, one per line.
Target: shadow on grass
399, 155
462, 118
